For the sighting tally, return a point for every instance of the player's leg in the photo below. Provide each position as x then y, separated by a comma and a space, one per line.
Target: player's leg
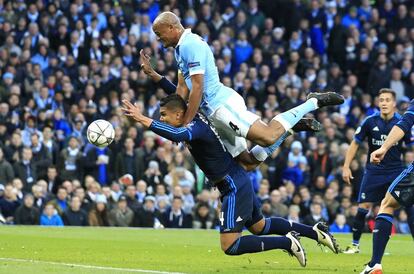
400, 193
381, 234
236, 211
374, 186
410, 218
358, 227
280, 226
267, 134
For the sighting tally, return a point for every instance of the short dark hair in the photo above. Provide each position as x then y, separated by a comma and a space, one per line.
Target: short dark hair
387, 90
173, 101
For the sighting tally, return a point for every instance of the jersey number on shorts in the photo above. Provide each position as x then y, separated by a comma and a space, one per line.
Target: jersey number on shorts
233, 126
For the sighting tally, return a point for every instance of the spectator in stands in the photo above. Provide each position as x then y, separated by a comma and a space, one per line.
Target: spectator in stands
132, 201
278, 208
26, 169
204, 218
50, 217
127, 161
315, 215
61, 201
148, 215
98, 215
27, 214
74, 215
141, 191
9, 203
340, 226
69, 163
175, 217
40, 155
402, 224
122, 215
6, 169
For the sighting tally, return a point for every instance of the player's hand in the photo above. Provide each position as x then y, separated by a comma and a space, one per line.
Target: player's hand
347, 175
378, 155
131, 110
146, 65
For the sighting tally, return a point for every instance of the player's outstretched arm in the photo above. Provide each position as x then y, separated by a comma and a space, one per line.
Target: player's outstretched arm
350, 155
171, 133
394, 136
197, 82
163, 82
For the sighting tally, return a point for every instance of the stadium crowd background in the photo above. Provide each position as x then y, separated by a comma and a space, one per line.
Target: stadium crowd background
66, 63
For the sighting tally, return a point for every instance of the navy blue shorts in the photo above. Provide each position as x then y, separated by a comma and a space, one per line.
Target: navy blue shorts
240, 207
375, 184
402, 188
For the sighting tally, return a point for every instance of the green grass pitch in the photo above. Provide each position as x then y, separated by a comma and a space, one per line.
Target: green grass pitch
123, 250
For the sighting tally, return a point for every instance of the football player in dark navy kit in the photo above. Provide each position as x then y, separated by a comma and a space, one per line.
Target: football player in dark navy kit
400, 193
377, 178
240, 207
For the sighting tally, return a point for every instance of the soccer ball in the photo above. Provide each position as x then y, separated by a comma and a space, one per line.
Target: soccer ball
100, 133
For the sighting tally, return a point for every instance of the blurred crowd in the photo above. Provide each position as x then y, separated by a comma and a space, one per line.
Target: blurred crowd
66, 63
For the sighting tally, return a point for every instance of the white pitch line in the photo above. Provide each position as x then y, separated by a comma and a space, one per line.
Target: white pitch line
88, 266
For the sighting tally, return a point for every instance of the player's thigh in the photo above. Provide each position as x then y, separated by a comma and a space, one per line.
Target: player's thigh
237, 204
388, 205
374, 186
235, 145
402, 190
234, 117
257, 222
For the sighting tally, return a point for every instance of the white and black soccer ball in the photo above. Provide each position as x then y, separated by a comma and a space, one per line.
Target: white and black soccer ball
100, 133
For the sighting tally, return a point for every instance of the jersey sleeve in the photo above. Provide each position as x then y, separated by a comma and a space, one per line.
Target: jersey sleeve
409, 138
407, 121
194, 56
174, 134
361, 131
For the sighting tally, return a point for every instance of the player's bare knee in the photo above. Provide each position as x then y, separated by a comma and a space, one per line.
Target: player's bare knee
367, 206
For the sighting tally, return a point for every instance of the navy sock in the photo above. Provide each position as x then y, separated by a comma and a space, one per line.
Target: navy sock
382, 233
280, 226
410, 219
253, 244
359, 224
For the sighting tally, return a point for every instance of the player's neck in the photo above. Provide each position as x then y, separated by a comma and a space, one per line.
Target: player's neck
387, 116
180, 33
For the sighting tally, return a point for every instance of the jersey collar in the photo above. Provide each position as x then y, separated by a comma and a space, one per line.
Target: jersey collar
186, 31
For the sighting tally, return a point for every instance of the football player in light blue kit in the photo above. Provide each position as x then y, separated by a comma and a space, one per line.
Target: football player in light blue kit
198, 81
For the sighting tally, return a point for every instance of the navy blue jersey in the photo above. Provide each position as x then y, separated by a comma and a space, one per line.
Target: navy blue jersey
204, 144
376, 130
407, 121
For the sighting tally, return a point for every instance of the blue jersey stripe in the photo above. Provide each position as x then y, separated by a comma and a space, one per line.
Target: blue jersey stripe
400, 177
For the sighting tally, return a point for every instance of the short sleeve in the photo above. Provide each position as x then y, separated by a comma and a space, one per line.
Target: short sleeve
361, 131
194, 55
409, 138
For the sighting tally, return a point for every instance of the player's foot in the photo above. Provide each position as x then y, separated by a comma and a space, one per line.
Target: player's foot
327, 98
325, 237
307, 124
376, 269
352, 249
296, 248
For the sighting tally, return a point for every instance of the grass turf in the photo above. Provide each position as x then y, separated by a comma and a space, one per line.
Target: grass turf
189, 251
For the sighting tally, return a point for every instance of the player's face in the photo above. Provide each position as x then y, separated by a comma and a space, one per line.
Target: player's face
386, 103
165, 34
172, 117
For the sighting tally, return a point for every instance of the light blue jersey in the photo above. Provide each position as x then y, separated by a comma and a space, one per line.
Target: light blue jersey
194, 56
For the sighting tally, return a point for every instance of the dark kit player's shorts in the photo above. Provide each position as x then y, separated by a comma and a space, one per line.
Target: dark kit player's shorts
402, 188
375, 183
240, 207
